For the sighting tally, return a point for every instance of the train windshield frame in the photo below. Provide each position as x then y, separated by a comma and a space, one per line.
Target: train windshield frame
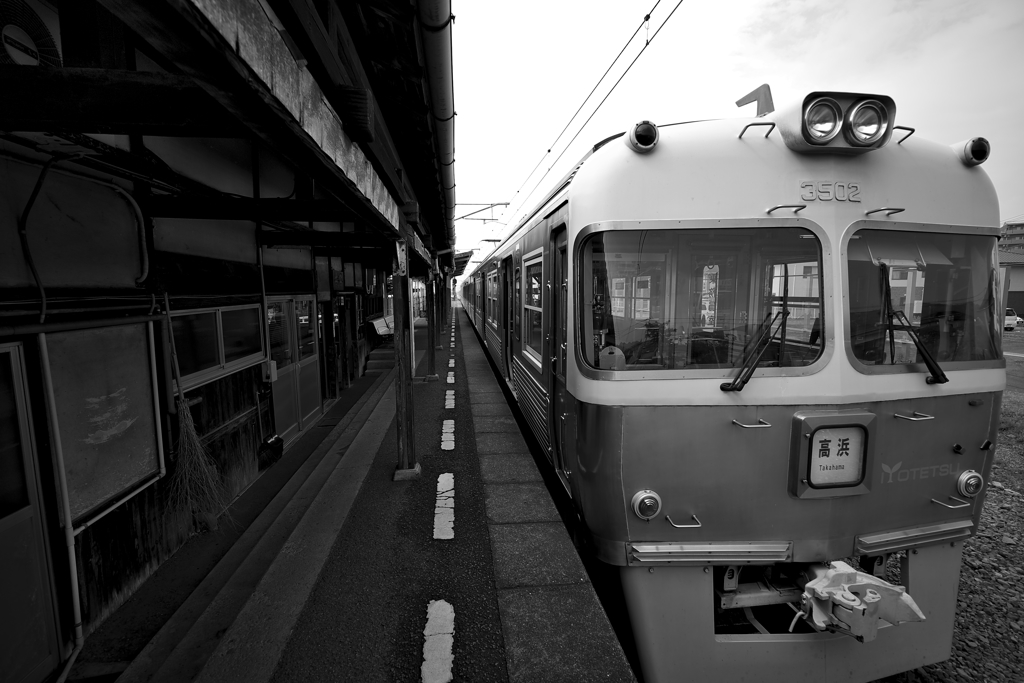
944, 281
698, 299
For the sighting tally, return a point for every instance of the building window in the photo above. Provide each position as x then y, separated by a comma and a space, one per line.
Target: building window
211, 343
533, 312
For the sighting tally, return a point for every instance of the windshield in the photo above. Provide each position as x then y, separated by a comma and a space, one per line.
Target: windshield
945, 286
700, 298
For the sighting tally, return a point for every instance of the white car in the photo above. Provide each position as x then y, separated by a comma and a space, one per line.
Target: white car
1010, 322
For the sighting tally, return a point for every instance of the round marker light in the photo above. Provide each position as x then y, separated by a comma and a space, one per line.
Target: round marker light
646, 504
866, 123
642, 137
822, 119
970, 484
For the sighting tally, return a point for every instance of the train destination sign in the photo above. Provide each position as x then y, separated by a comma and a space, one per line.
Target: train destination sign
837, 456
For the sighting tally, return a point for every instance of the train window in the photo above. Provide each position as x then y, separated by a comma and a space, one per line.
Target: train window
941, 285
701, 298
533, 311
492, 298
518, 295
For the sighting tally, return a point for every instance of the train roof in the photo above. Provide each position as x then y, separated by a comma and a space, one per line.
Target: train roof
731, 169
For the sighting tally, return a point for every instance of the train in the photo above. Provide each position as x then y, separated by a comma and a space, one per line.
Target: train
763, 356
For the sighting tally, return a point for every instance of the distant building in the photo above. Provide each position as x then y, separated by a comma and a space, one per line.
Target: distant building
1013, 237
1011, 268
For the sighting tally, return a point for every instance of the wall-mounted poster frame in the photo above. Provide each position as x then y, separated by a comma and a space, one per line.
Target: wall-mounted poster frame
104, 409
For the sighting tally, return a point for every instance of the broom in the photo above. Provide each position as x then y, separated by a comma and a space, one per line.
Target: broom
195, 484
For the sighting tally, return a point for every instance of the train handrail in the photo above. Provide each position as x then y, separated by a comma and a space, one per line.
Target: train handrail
889, 210
797, 208
685, 526
761, 424
902, 139
917, 417
963, 503
758, 123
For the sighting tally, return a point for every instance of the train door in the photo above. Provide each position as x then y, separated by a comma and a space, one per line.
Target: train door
559, 321
28, 633
508, 317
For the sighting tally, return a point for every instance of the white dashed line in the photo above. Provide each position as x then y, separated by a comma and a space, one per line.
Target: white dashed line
451, 377
451, 362
438, 638
444, 507
449, 398
448, 435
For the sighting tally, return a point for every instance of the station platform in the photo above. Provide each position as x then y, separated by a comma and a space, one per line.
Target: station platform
326, 569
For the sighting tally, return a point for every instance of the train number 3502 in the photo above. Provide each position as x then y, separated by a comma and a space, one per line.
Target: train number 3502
827, 191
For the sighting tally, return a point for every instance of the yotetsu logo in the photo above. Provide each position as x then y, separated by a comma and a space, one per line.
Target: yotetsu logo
893, 474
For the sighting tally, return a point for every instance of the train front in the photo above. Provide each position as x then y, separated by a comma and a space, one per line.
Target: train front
786, 386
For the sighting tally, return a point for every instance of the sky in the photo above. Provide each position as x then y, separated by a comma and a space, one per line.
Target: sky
522, 69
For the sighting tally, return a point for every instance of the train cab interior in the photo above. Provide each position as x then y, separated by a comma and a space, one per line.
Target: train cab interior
701, 298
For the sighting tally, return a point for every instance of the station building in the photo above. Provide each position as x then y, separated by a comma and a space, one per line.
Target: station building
211, 206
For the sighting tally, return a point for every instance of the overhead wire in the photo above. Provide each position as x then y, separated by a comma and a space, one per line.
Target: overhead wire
645, 22
603, 100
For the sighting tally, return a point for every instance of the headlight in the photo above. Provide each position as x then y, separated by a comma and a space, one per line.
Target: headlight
822, 120
866, 123
969, 484
646, 504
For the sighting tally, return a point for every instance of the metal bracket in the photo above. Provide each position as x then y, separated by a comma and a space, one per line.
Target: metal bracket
889, 210
731, 580
963, 503
761, 424
685, 526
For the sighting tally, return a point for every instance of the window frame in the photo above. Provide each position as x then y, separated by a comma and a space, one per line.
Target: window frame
827, 294
535, 356
223, 368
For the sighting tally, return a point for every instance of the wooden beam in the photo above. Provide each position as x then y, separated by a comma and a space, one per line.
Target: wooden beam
334, 60
109, 101
243, 208
180, 32
326, 240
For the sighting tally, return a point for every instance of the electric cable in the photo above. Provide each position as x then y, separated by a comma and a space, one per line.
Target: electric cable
646, 21
603, 100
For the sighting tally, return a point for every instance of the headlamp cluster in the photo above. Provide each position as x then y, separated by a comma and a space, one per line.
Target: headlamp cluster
827, 122
865, 123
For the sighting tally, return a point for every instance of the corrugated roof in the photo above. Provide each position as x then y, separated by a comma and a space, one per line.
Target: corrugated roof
1011, 258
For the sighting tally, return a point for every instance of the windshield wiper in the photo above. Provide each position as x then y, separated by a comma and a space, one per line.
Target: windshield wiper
937, 375
751, 361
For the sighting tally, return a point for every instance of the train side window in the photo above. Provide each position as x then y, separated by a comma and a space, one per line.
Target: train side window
518, 295
492, 298
533, 312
